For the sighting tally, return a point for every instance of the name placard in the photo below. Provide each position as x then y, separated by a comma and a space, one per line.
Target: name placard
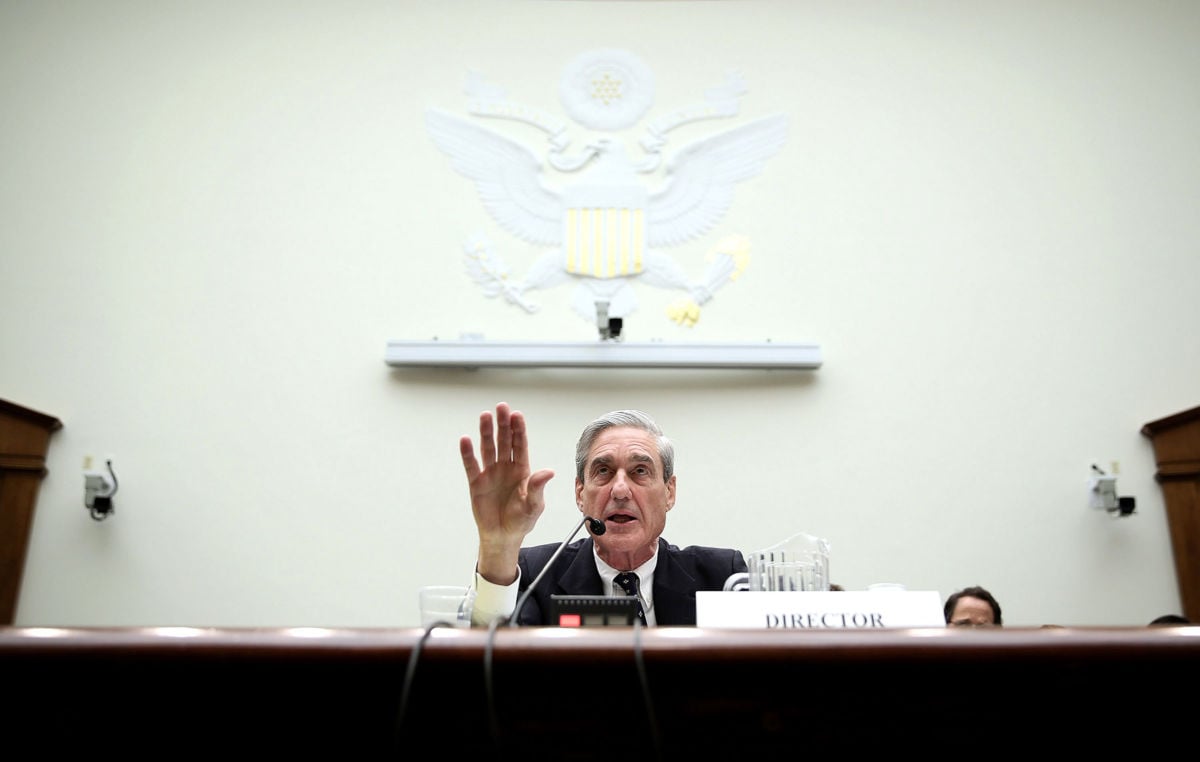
819, 609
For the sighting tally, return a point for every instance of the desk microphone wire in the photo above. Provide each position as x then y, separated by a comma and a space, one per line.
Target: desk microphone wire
639, 663
406, 688
489, 647
644, 682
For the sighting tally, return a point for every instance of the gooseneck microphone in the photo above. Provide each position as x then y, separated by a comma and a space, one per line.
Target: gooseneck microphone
595, 526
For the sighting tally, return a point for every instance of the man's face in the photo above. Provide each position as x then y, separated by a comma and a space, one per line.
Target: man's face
972, 612
623, 485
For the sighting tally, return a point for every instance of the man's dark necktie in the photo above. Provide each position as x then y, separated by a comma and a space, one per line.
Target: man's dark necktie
628, 581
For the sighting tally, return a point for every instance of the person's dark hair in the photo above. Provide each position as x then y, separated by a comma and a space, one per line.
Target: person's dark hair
1169, 619
974, 591
634, 419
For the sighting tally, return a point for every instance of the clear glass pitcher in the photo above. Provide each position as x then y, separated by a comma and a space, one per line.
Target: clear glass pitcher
801, 562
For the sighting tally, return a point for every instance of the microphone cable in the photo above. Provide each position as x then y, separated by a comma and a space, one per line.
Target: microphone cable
596, 526
644, 683
489, 647
406, 687
639, 664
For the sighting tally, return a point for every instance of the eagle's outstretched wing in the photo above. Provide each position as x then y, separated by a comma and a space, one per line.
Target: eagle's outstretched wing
506, 174
702, 176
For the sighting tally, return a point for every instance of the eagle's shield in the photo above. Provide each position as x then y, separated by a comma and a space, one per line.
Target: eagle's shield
604, 230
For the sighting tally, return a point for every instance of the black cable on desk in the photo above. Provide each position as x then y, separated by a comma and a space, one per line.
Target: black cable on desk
644, 682
406, 688
489, 647
639, 663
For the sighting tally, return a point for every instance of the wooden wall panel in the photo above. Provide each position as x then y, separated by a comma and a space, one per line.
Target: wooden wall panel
24, 442
1176, 441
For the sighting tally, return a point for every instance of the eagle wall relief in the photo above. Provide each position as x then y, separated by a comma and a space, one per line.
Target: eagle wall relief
605, 215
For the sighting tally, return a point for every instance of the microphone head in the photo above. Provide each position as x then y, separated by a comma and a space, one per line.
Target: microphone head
595, 526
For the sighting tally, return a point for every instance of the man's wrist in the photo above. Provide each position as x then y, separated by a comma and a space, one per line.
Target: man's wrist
492, 600
498, 565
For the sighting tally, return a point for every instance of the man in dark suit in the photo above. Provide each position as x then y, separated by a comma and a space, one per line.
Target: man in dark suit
625, 477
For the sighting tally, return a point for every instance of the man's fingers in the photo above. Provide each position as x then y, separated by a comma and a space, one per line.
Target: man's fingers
537, 482
487, 439
504, 441
501, 440
520, 442
467, 449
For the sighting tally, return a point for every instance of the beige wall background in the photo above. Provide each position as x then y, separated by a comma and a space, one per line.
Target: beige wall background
213, 217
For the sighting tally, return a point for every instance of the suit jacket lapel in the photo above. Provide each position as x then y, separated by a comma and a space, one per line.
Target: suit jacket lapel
581, 577
674, 601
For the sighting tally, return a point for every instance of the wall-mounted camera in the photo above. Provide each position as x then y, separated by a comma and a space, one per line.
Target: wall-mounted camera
1104, 494
1126, 505
610, 327
98, 491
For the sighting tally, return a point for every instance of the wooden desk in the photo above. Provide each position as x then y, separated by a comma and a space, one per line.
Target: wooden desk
577, 694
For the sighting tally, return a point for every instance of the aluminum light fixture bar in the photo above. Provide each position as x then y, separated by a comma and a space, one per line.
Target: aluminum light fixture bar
602, 354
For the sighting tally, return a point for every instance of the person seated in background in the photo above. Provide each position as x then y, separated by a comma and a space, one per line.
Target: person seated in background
1168, 620
972, 607
625, 478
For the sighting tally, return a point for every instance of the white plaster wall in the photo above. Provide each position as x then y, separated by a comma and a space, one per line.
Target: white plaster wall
213, 217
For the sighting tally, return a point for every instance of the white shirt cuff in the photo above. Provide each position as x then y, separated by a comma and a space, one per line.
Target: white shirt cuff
492, 600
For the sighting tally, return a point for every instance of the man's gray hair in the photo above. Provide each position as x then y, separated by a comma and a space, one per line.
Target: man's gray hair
634, 419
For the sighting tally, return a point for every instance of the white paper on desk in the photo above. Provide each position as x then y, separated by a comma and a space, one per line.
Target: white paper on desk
819, 609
